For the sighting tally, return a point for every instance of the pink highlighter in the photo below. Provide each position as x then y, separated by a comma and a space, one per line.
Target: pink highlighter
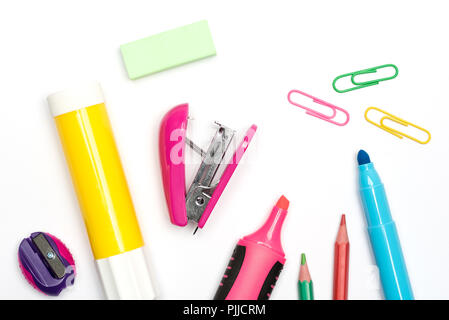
257, 261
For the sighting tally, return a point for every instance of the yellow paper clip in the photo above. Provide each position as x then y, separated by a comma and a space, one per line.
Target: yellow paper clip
400, 121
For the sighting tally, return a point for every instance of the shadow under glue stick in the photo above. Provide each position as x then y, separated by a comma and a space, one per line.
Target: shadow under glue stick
257, 261
100, 184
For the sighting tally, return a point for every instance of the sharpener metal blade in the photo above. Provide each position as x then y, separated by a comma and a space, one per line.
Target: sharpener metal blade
49, 255
201, 190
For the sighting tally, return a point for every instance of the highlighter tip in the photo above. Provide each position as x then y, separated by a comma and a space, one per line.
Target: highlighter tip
283, 203
363, 157
343, 220
303, 259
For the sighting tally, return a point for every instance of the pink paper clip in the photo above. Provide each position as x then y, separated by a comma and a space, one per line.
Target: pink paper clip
319, 114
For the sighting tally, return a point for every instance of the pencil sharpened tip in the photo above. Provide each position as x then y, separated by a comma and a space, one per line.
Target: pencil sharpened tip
195, 231
303, 259
343, 220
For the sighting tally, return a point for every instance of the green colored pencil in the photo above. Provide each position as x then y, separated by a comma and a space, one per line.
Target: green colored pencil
305, 284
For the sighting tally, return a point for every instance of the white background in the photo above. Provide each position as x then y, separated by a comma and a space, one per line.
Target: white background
263, 51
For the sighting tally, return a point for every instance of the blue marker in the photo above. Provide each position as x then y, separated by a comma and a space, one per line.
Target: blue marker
383, 233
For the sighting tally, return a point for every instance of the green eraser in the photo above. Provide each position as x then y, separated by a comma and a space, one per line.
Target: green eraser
168, 49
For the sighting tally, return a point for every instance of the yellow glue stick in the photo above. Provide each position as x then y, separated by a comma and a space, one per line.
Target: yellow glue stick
100, 184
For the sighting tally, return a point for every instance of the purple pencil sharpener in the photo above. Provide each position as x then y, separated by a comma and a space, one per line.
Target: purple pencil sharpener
46, 263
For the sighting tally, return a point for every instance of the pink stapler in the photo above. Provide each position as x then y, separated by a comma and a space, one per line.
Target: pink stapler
199, 200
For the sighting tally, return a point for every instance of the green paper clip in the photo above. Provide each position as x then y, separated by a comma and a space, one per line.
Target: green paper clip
364, 84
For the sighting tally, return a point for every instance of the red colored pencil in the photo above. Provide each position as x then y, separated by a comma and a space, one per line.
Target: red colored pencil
341, 262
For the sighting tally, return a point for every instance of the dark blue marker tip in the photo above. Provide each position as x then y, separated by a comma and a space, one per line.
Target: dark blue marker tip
363, 157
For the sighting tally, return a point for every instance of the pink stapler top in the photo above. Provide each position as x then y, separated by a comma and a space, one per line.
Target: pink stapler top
199, 200
171, 152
